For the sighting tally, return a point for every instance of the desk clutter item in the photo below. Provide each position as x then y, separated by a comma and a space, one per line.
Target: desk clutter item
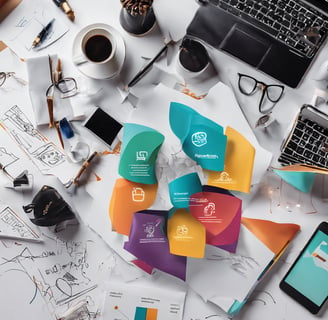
98, 51
192, 58
307, 141
137, 16
282, 39
49, 208
139, 152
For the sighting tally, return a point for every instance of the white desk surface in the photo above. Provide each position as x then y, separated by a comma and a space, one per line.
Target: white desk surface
91, 256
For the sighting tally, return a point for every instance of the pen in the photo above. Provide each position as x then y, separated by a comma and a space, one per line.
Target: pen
83, 168
43, 34
66, 8
143, 71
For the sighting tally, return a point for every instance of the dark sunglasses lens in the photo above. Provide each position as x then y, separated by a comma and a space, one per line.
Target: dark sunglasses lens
247, 85
274, 93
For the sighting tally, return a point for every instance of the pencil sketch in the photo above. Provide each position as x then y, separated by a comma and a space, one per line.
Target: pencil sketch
44, 153
6, 157
238, 263
12, 225
60, 273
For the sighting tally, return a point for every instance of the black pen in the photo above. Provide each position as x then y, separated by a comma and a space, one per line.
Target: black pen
43, 34
143, 71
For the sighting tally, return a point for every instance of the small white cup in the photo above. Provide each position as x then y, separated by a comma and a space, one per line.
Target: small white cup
98, 46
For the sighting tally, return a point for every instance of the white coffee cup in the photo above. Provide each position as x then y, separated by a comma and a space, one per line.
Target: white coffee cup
98, 46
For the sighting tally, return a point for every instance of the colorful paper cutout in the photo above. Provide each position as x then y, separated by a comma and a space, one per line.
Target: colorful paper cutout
300, 180
187, 236
220, 214
238, 164
273, 234
202, 139
182, 188
148, 242
139, 152
127, 198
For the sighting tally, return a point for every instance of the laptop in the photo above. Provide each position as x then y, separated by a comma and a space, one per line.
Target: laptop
307, 142
279, 37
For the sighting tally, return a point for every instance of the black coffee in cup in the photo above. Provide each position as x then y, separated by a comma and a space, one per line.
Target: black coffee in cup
98, 48
193, 55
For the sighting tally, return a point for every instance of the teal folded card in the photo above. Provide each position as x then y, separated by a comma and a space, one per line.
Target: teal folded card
182, 188
202, 139
140, 146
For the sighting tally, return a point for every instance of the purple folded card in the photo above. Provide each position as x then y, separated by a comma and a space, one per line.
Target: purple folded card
148, 242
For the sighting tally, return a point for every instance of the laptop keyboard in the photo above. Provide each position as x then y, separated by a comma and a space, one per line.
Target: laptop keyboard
285, 20
307, 144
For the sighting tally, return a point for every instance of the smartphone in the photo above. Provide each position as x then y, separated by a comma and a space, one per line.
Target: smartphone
105, 127
307, 279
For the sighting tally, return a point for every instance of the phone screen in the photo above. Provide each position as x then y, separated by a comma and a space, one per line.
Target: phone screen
307, 279
103, 126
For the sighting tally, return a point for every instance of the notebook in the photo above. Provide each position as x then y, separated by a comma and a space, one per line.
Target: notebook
279, 37
307, 141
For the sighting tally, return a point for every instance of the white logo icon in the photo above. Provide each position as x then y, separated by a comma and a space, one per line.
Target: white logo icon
182, 230
199, 139
138, 194
141, 155
209, 210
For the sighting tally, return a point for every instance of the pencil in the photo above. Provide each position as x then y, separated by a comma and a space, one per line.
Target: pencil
143, 71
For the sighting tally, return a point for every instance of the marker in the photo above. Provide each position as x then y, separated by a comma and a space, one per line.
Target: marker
43, 34
66, 8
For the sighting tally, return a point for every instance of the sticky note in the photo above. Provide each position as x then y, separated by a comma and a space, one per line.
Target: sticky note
182, 188
238, 164
127, 198
140, 146
202, 139
220, 214
187, 236
148, 242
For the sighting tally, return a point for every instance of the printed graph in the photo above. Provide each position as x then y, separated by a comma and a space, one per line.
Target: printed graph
145, 313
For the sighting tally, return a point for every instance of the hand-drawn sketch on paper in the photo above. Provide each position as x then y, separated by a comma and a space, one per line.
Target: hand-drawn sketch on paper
43, 153
6, 157
13, 226
61, 272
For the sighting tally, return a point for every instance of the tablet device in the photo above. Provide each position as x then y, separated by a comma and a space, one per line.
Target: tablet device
105, 127
307, 279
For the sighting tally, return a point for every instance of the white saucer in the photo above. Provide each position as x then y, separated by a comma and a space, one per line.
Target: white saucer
99, 71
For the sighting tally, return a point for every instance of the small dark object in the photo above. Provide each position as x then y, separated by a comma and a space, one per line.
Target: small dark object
193, 55
49, 208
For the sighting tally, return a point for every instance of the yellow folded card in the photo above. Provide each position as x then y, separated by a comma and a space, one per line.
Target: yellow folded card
127, 198
238, 164
187, 236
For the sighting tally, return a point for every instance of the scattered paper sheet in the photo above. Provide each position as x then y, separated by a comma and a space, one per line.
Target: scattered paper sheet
15, 227
138, 302
25, 22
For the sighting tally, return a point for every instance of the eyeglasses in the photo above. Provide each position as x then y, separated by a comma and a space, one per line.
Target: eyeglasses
66, 86
249, 85
5, 75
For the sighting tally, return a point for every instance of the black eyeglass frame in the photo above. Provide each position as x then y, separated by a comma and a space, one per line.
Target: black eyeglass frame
4, 76
60, 88
264, 88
